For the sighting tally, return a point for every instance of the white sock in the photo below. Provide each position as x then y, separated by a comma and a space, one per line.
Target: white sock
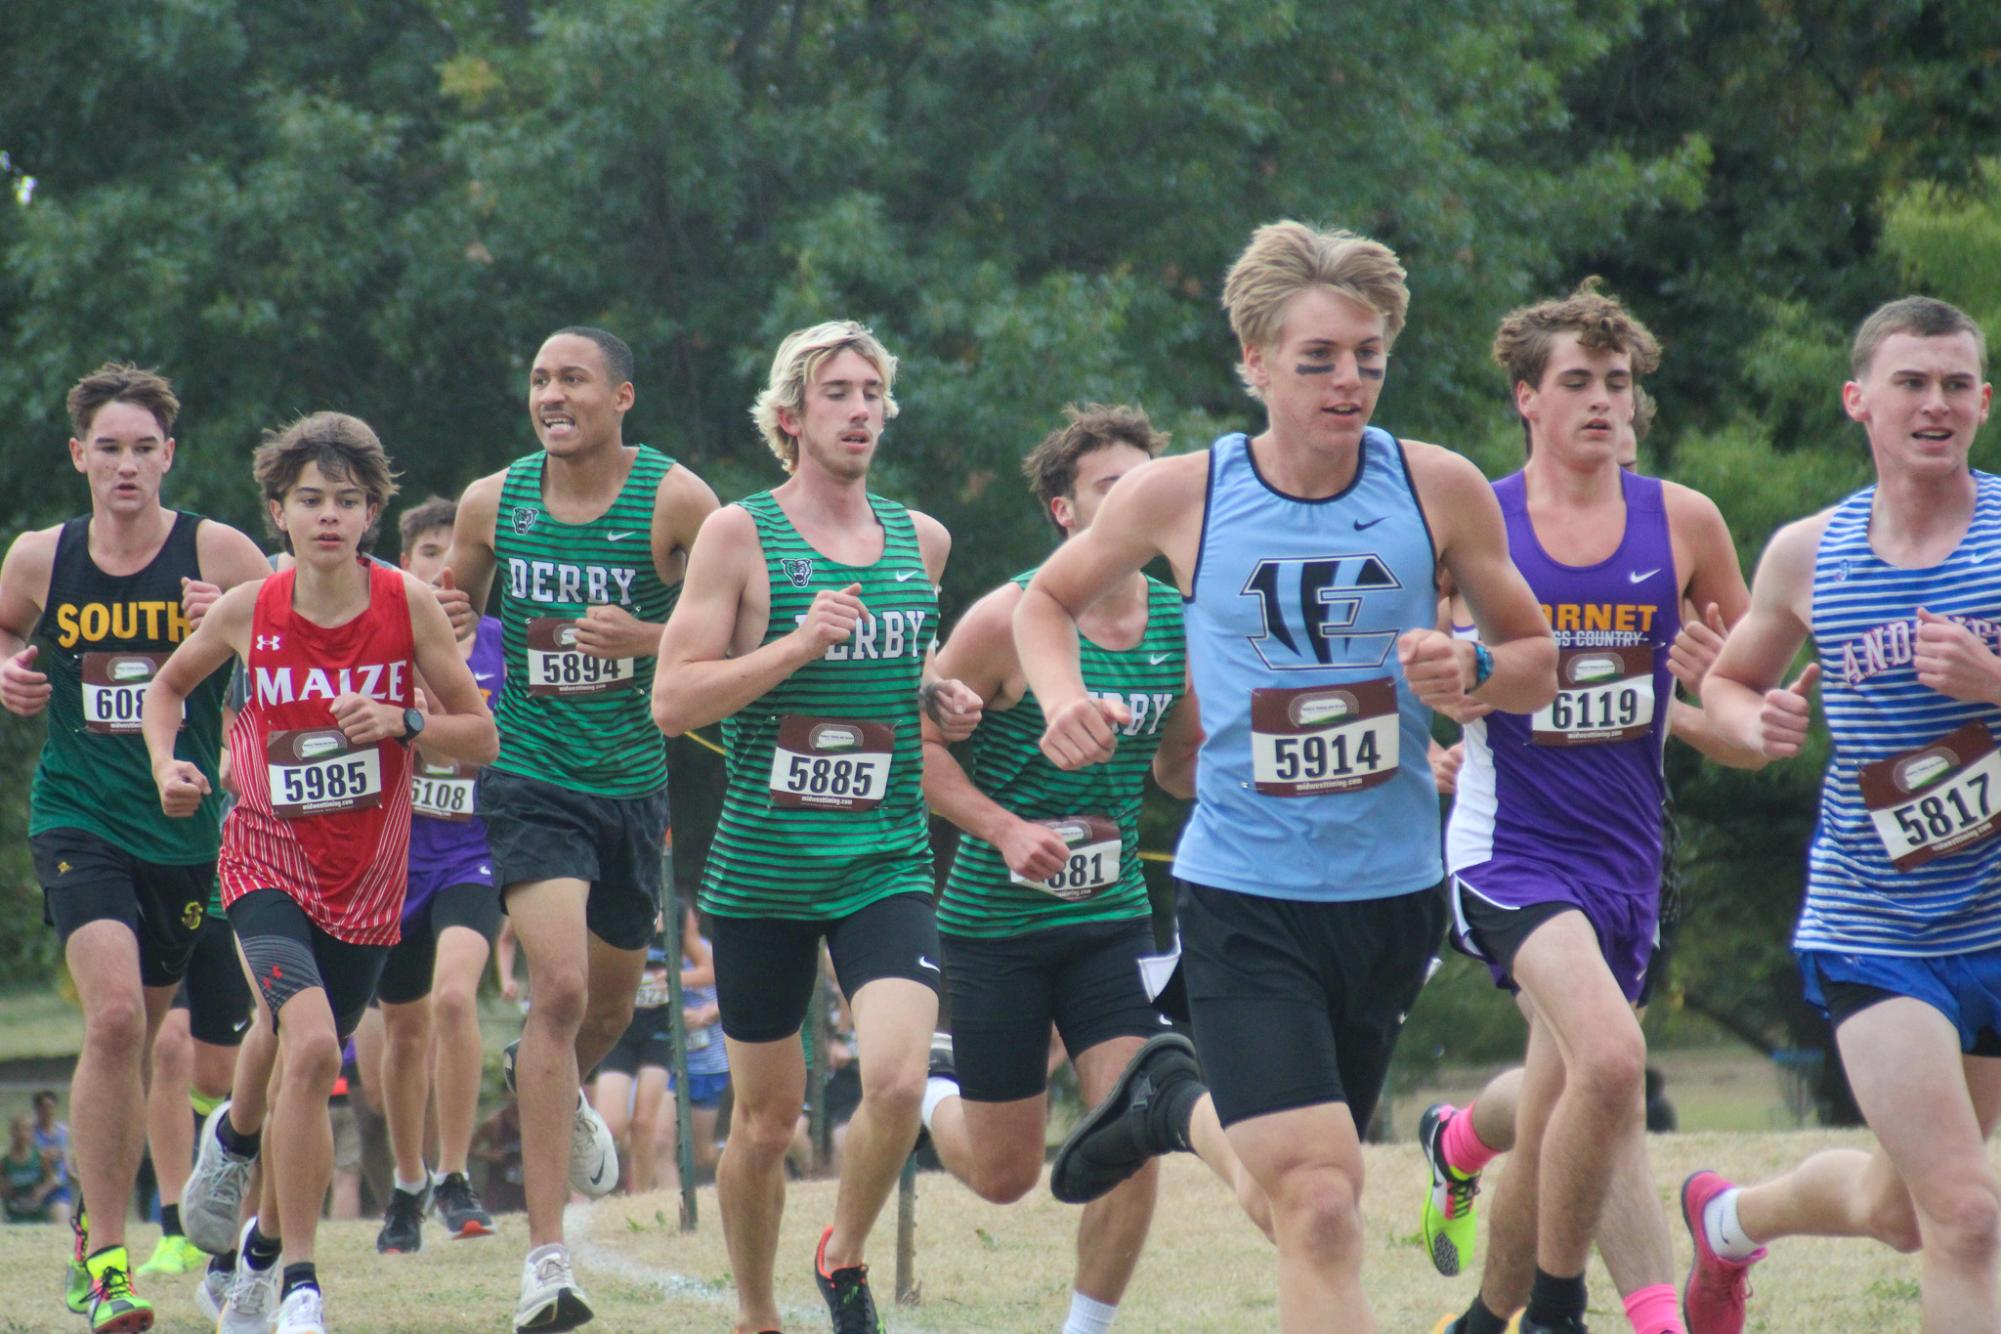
937, 1088
1726, 1235
1089, 1316
541, 1253
438, 1179
411, 1187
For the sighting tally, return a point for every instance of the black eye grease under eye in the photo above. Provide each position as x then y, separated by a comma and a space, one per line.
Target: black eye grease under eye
1370, 372
1306, 369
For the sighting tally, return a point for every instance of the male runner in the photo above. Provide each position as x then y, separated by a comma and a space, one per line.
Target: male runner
451, 911
1555, 837
313, 861
805, 625
632, 1081
89, 609
1310, 905
1899, 939
588, 537
1045, 914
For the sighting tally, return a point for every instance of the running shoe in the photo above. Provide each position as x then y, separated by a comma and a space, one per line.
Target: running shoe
1521, 1324
1449, 1225
1116, 1138
252, 1303
212, 1201
940, 1066
849, 1302
593, 1153
456, 1205
115, 1307
1714, 1298
507, 1054
550, 1297
304, 1311
213, 1290
76, 1286
174, 1255
402, 1223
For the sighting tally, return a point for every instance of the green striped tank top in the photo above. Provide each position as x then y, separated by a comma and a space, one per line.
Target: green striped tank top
565, 717
1096, 809
824, 811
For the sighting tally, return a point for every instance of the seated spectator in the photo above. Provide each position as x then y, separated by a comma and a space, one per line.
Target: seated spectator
30, 1177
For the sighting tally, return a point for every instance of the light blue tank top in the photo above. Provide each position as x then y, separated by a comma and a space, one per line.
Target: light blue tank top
1313, 782
1904, 859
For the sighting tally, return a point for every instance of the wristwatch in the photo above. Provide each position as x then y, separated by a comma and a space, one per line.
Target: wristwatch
1483, 664
413, 725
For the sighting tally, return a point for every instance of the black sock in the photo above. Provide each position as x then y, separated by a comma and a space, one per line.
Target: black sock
1553, 1300
260, 1251
170, 1220
238, 1143
1479, 1320
224, 1263
300, 1275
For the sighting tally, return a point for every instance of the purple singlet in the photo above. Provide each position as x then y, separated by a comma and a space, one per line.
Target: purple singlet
448, 841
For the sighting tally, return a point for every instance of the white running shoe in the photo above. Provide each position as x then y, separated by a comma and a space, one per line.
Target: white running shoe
304, 1312
212, 1201
550, 1297
212, 1292
593, 1154
252, 1306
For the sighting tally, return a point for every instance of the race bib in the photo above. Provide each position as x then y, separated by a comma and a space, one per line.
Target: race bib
556, 666
830, 764
318, 772
1603, 694
652, 990
442, 791
1093, 865
1307, 741
1936, 800
700, 1038
114, 691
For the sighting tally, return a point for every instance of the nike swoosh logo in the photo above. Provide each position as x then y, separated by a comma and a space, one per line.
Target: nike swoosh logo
486, 870
619, 537
1157, 658
923, 962
1641, 576
597, 1177
1360, 524
1980, 556
905, 576
482, 676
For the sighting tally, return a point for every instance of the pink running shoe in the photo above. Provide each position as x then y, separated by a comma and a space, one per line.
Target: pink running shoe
1712, 1301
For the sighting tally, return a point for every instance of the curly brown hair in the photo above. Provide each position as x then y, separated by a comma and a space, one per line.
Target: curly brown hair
1051, 467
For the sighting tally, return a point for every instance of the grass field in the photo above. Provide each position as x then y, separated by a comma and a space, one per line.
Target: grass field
983, 1268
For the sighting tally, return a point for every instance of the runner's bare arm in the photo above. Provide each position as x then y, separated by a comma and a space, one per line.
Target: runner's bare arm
467, 580
697, 681
1702, 540
224, 632
24, 592
1142, 515
225, 557
1742, 694
1180, 745
1472, 543
980, 654
459, 726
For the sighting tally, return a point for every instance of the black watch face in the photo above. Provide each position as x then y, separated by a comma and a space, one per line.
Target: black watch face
413, 722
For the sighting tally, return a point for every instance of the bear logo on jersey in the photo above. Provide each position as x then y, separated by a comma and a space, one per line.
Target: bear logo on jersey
799, 571
524, 519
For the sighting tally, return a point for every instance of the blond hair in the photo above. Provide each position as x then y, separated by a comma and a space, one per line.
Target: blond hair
798, 360
1285, 258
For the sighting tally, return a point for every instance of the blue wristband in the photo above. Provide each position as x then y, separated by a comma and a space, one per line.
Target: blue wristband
1483, 664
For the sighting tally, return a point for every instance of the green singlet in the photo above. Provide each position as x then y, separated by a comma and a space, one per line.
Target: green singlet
102, 638
1103, 884
565, 717
824, 809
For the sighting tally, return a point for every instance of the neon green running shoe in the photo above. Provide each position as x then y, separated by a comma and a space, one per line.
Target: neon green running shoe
1449, 1226
174, 1255
76, 1291
115, 1306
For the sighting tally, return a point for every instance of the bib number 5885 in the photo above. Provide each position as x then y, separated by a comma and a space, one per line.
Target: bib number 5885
824, 776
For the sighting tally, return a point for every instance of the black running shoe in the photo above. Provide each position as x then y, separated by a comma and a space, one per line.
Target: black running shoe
457, 1206
1116, 1138
1568, 1325
849, 1304
402, 1223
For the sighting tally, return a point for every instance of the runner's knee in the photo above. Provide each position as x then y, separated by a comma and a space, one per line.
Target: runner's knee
560, 997
114, 1025
1319, 1207
452, 1003
763, 1134
1965, 1221
173, 1056
1610, 1070
1003, 1178
312, 1059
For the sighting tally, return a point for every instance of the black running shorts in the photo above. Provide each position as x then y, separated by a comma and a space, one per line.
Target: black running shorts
289, 954
87, 879
1298, 1003
539, 831
765, 966
1006, 992
647, 1040
407, 972
214, 992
